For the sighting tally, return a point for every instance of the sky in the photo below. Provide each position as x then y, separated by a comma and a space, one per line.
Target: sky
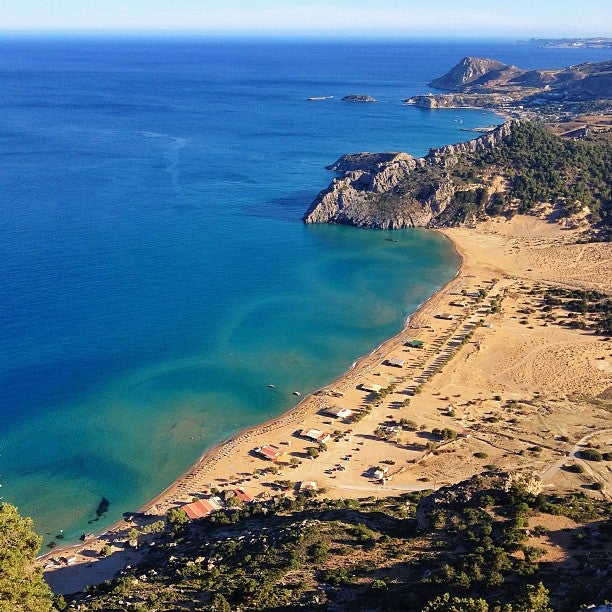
376, 18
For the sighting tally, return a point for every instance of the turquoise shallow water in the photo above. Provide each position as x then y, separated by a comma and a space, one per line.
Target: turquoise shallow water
154, 270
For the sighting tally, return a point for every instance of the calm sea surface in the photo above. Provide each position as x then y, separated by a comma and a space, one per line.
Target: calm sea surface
154, 272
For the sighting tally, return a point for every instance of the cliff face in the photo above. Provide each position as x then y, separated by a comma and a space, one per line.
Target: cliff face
394, 190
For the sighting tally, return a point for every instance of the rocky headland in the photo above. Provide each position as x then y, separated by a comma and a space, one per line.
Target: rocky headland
488, 83
394, 190
597, 42
515, 167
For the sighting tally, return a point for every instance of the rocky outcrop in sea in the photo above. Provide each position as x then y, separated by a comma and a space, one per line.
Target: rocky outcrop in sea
358, 98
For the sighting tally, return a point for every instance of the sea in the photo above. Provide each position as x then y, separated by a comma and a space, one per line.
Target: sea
155, 274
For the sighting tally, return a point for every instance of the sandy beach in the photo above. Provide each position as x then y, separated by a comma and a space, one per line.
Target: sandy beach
516, 386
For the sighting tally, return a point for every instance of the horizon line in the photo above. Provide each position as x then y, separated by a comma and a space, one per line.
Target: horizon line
275, 35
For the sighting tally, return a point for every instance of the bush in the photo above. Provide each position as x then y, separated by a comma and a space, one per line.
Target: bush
480, 455
177, 518
106, 551
590, 454
378, 585
319, 551
576, 468
312, 452
335, 576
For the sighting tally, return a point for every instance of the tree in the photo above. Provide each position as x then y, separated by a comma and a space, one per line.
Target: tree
177, 518
220, 604
446, 603
133, 534
106, 551
536, 600
312, 452
22, 588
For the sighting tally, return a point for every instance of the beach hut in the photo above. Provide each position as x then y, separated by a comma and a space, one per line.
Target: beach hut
201, 508
380, 472
371, 387
446, 316
270, 452
315, 434
243, 496
308, 485
338, 412
396, 363
334, 392
415, 343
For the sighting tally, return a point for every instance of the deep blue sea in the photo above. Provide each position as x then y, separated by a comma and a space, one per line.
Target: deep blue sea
154, 272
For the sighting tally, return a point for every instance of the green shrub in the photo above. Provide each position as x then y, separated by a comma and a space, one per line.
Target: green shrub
590, 454
576, 468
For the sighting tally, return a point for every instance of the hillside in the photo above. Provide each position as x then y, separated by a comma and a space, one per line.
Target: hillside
514, 168
481, 75
487, 83
400, 553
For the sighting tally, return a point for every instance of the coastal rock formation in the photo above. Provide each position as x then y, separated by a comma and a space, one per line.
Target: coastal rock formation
484, 83
473, 73
446, 155
481, 75
480, 82
358, 98
394, 190
459, 100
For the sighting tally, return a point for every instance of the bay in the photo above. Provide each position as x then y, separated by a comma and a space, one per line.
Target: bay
154, 272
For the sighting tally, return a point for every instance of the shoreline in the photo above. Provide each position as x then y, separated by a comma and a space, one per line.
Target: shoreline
214, 453
302, 406
470, 359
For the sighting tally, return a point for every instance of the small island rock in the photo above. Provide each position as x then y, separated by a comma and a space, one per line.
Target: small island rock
358, 98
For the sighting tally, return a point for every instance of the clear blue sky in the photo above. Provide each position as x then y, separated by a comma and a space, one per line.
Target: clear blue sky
483, 18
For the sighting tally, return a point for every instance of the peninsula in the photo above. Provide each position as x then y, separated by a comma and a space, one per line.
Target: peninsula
487, 83
510, 170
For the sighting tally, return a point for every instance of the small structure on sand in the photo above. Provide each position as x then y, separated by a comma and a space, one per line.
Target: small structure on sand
396, 363
270, 452
338, 412
446, 316
380, 472
202, 507
308, 485
239, 494
315, 434
371, 387
415, 343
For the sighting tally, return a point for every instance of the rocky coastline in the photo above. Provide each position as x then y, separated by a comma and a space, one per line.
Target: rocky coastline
485, 83
395, 190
